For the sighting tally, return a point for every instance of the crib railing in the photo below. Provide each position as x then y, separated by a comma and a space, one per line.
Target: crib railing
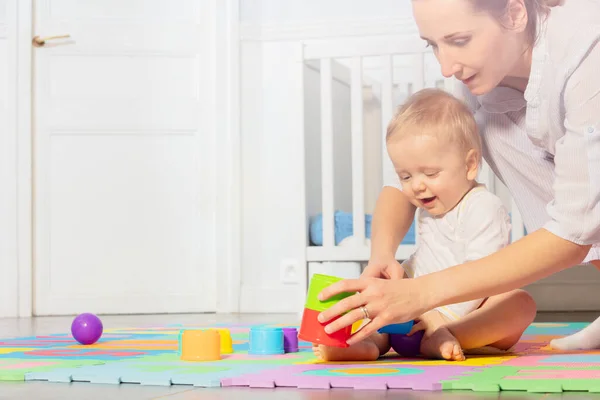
353, 52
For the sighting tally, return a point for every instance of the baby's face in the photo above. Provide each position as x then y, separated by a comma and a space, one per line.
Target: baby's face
434, 174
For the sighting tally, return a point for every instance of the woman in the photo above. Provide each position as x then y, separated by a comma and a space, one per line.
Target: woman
530, 73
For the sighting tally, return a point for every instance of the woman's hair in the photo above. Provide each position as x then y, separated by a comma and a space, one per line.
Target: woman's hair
437, 113
536, 10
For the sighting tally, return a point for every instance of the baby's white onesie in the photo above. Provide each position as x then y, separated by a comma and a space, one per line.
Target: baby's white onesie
478, 226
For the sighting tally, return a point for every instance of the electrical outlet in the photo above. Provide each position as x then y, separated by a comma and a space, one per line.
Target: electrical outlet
289, 271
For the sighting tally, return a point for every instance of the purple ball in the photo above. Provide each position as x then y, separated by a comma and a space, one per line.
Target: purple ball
407, 346
86, 328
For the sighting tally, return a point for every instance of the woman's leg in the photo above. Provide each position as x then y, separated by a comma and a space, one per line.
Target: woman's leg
586, 339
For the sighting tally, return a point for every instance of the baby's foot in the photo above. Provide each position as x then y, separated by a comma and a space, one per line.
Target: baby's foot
365, 350
443, 345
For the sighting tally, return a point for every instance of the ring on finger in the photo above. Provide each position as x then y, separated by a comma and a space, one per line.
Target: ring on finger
365, 312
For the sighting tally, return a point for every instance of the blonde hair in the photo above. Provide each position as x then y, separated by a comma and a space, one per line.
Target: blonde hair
436, 113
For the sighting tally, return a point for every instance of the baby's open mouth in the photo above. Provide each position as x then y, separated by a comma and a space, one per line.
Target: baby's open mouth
428, 200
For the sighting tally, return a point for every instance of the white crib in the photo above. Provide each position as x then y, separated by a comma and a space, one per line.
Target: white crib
351, 88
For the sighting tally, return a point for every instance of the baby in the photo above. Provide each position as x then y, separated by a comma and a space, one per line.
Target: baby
434, 145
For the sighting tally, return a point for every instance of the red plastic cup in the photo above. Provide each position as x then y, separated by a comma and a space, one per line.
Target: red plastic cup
311, 330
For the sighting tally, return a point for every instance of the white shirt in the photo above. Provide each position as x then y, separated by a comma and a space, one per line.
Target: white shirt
478, 226
544, 145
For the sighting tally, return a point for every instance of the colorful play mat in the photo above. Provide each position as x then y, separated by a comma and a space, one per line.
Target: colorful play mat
149, 356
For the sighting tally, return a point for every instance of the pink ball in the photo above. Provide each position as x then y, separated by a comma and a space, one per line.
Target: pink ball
86, 328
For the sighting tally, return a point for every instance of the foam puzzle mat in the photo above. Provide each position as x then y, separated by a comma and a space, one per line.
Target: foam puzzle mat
149, 356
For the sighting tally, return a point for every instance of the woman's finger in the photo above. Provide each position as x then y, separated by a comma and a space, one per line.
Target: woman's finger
343, 306
346, 285
345, 320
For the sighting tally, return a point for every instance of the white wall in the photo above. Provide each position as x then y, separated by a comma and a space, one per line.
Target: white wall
272, 174
277, 11
8, 173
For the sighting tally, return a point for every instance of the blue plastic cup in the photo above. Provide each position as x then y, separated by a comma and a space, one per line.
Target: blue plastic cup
397, 329
266, 341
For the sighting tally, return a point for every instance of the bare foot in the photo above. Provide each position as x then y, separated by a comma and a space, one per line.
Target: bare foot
443, 345
365, 350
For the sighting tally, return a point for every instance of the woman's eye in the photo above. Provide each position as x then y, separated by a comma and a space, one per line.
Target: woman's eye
461, 42
432, 45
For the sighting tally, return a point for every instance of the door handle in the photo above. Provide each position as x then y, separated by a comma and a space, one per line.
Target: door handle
38, 41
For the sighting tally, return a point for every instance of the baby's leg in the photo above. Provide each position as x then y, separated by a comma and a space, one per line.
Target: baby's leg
366, 350
499, 322
437, 341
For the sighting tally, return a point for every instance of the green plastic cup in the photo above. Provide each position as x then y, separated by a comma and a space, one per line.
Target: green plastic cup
318, 282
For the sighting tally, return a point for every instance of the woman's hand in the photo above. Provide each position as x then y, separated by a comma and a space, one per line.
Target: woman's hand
387, 302
387, 268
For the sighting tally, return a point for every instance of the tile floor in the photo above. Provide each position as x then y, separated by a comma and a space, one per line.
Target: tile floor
47, 391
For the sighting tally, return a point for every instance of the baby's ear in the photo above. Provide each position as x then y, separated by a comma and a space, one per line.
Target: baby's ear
472, 164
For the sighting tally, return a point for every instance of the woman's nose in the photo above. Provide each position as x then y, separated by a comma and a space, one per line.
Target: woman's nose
449, 66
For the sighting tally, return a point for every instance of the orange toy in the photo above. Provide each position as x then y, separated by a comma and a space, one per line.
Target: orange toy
200, 345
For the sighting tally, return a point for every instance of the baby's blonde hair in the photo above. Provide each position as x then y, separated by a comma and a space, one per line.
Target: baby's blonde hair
436, 113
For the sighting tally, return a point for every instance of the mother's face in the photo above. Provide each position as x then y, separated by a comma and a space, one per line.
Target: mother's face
472, 46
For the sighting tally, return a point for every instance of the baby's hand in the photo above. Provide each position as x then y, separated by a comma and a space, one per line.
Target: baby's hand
419, 326
428, 322
383, 268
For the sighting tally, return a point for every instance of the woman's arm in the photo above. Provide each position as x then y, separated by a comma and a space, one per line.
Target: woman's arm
535, 256
391, 220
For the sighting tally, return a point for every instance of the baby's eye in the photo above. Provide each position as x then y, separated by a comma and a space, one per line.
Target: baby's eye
405, 178
432, 174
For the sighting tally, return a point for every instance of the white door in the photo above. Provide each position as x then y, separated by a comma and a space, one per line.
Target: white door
123, 186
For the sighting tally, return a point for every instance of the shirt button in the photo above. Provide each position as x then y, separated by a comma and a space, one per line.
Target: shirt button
590, 129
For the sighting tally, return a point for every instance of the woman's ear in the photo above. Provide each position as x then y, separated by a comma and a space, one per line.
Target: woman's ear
472, 163
516, 16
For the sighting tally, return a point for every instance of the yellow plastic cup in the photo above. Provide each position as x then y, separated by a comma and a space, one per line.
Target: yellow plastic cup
226, 342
